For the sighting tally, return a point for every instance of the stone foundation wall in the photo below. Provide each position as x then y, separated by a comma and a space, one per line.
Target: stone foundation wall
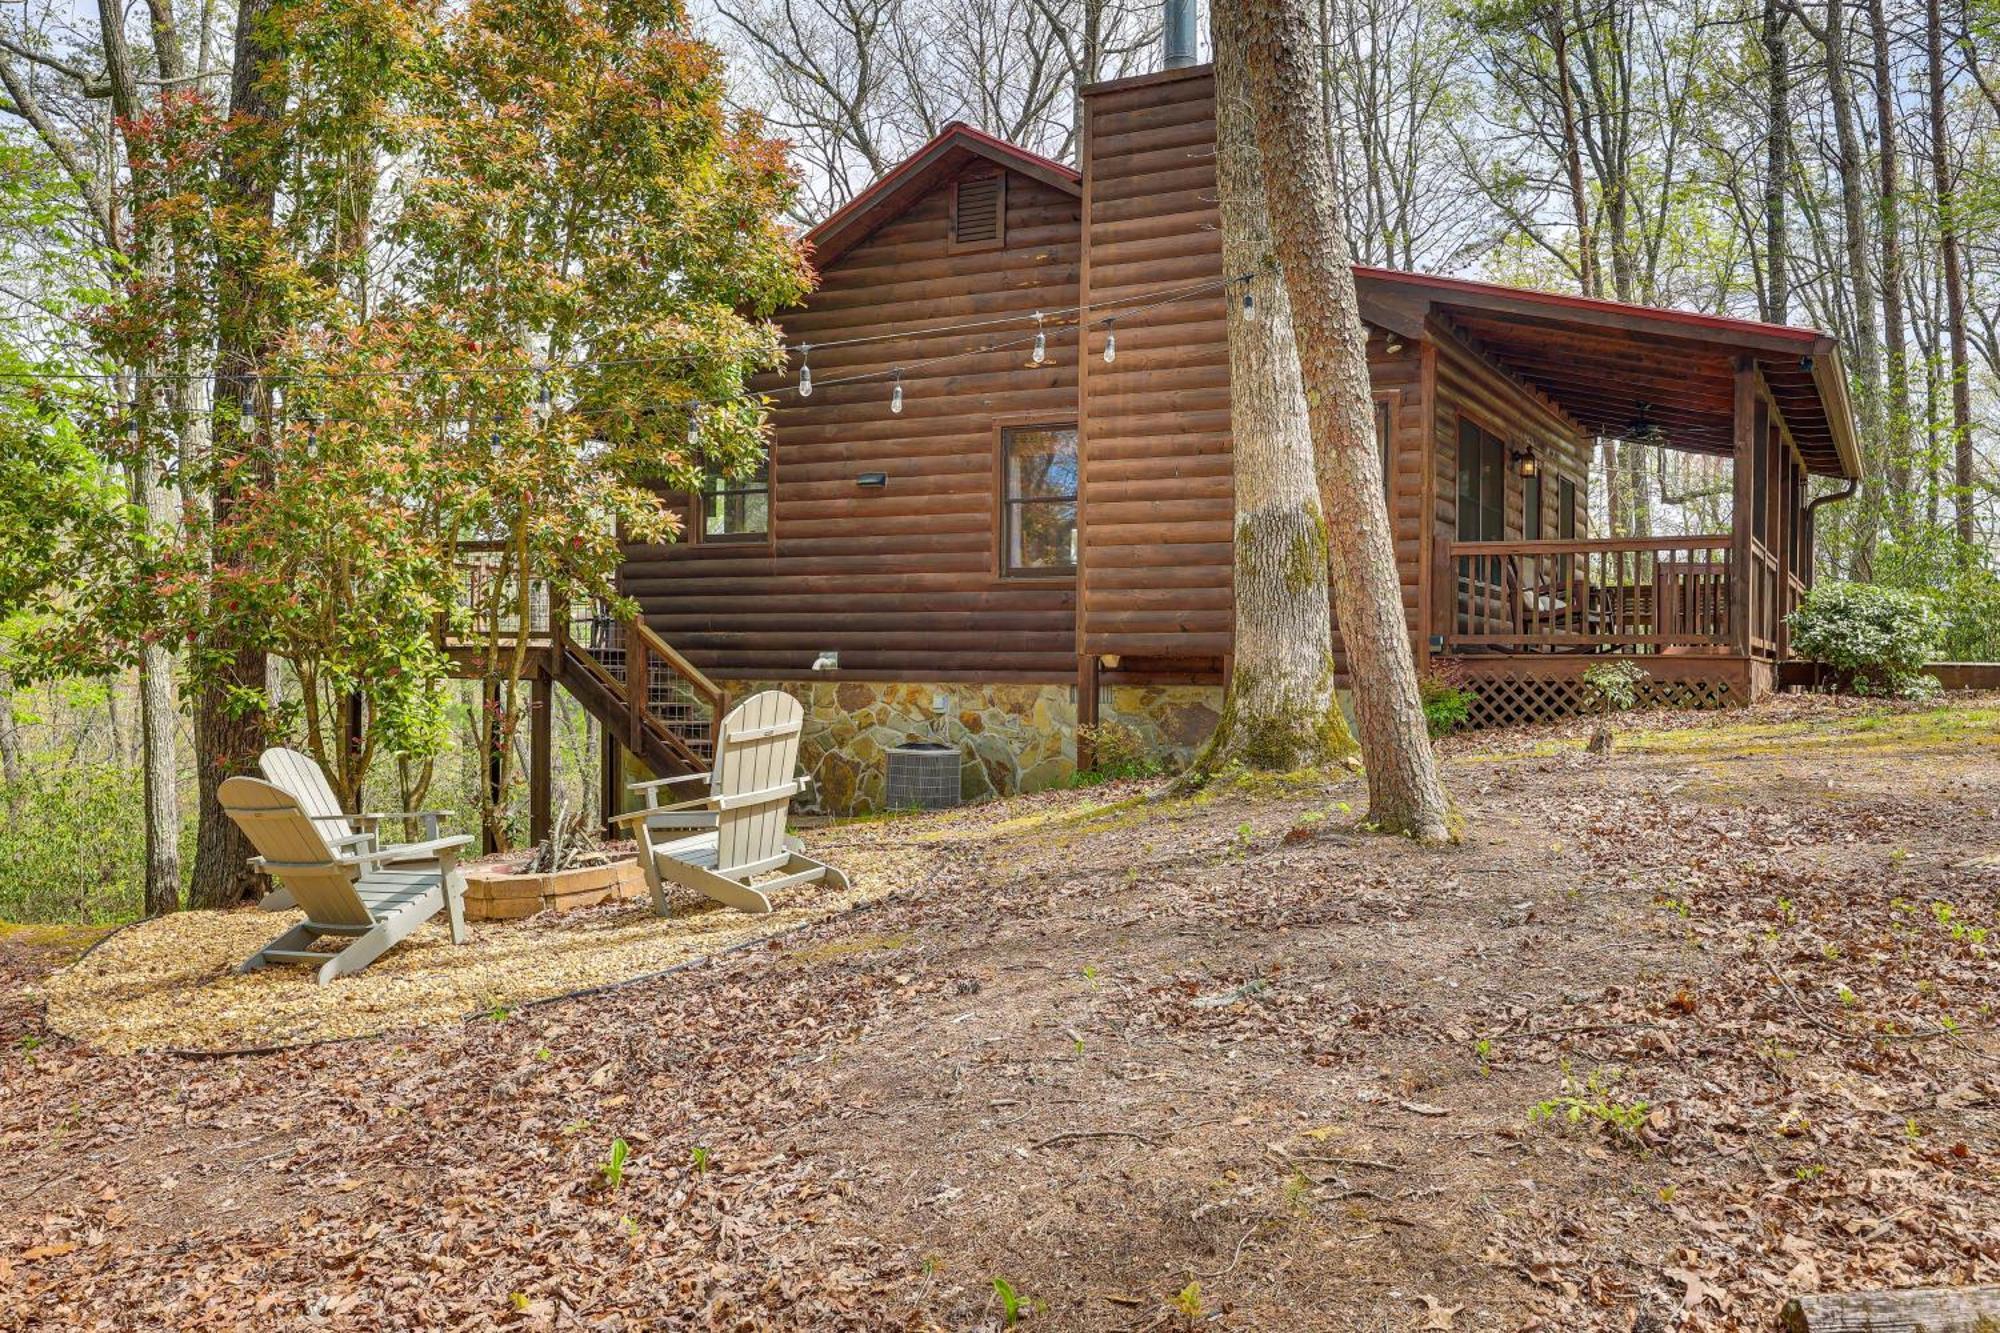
1010, 738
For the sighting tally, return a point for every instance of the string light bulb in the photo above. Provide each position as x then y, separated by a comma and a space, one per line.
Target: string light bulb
1110, 342
805, 370
1249, 302
246, 415
694, 425
545, 404
896, 394
1041, 341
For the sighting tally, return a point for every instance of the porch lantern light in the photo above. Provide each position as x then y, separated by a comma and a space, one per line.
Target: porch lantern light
1526, 463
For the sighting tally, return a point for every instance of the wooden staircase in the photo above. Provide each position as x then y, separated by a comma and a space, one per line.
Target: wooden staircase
655, 702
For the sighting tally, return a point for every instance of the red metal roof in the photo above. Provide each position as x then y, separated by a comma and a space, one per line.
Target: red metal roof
1726, 325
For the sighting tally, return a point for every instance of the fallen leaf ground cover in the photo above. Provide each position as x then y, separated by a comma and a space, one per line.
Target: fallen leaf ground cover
1673, 1034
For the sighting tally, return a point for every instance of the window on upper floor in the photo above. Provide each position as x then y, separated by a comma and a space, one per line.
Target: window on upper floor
737, 508
1038, 470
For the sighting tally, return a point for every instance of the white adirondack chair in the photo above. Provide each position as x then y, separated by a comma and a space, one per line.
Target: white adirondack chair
301, 775
750, 794
355, 895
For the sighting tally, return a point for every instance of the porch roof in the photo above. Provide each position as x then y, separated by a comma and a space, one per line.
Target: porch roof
1603, 361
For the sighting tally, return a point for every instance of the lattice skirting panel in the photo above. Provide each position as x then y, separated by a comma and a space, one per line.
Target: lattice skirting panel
1513, 698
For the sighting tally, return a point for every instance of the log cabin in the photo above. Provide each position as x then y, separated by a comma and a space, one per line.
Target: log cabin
1003, 511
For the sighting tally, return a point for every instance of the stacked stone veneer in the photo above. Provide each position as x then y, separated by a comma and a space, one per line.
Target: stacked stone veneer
1010, 738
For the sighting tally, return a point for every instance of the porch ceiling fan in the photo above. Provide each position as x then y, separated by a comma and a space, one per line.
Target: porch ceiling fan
1642, 429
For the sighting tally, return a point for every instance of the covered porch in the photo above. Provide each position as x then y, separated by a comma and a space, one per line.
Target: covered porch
1520, 604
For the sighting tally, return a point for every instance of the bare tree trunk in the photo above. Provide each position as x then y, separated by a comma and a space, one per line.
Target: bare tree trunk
1588, 277
156, 504
1895, 323
1854, 227
1404, 793
229, 720
1281, 711
1954, 280
11, 768
1777, 166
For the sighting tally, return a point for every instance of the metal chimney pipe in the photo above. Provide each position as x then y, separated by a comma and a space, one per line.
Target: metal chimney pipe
1177, 33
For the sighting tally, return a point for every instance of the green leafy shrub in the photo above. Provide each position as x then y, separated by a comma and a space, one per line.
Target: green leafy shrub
1876, 638
73, 846
1614, 688
1118, 751
1969, 607
1446, 706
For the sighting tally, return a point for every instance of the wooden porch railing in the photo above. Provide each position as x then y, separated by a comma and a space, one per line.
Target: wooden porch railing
1626, 594
1767, 608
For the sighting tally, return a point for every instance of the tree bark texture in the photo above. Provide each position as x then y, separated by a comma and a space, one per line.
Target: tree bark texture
1895, 320
1777, 165
229, 714
155, 502
1953, 277
1281, 711
1867, 346
1404, 793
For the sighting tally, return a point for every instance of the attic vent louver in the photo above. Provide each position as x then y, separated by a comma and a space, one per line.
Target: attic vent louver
979, 212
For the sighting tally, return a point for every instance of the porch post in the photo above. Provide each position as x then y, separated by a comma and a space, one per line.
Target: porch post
1086, 710
540, 738
1740, 581
610, 781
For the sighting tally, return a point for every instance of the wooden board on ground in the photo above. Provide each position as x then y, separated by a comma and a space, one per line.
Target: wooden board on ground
1924, 1310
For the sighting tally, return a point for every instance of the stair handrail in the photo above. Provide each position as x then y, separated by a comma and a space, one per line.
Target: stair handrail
642, 642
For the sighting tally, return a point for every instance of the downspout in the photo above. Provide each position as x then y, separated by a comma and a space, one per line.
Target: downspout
1812, 524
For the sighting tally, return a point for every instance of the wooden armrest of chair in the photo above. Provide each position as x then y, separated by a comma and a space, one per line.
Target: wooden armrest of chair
432, 820
443, 849
648, 785
339, 840
640, 816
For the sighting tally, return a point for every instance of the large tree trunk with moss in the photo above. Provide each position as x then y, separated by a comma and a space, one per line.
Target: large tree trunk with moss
230, 696
1280, 712
1278, 44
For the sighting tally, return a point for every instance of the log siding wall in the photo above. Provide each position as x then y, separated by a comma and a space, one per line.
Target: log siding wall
903, 582
1160, 512
900, 581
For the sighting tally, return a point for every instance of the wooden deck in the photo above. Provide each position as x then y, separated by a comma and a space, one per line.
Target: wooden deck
1702, 615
